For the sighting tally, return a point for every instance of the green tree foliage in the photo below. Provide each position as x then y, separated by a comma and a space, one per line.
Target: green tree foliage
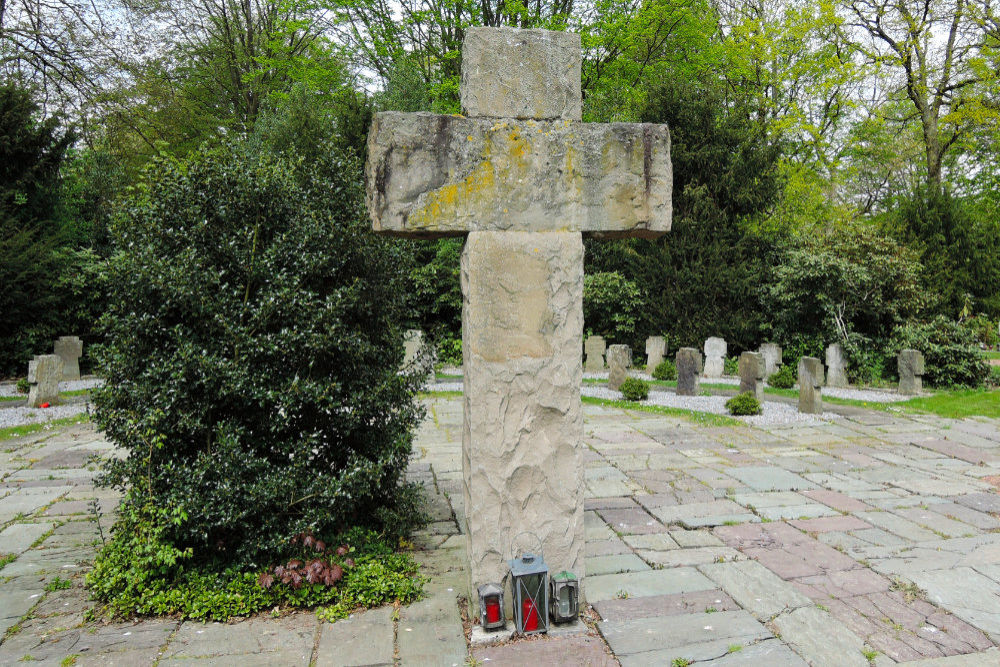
611, 307
32, 237
960, 251
253, 342
951, 352
704, 277
847, 281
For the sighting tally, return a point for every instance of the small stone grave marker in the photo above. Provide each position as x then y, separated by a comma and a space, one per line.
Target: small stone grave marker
656, 347
752, 374
772, 358
595, 347
44, 373
619, 360
69, 349
689, 367
911, 370
836, 366
810, 385
715, 357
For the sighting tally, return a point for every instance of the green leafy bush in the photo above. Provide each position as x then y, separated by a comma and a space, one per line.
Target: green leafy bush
611, 305
449, 352
139, 572
253, 341
783, 378
869, 361
23, 386
731, 365
951, 352
666, 371
984, 329
634, 389
994, 377
743, 404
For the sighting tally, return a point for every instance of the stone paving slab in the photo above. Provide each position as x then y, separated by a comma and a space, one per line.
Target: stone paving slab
582, 651
363, 639
755, 588
642, 584
770, 478
964, 592
665, 605
819, 638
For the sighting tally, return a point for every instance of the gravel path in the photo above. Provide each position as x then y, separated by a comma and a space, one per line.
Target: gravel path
774, 413
22, 416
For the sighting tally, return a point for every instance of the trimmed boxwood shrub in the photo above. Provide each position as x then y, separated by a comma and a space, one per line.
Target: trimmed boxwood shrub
951, 352
666, 370
253, 343
634, 389
783, 378
743, 404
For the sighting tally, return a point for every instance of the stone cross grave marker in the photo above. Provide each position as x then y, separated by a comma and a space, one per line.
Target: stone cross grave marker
689, 367
619, 360
911, 371
69, 349
656, 347
594, 346
715, 357
772, 358
810, 385
44, 373
836, 366
523, 179
413, 340
752, 374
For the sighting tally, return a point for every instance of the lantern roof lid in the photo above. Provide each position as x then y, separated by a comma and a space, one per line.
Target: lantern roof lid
565, 575
527, 564
490, 589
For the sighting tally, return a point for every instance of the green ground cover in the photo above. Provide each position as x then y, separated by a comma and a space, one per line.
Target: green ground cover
28, 429
957, 404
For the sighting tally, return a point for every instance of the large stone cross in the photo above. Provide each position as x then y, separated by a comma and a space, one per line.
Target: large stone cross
523, 179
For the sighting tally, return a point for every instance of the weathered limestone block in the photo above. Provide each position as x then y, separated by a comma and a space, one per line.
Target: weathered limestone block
44, 373
836, 366
772, 358
715, 357
522, 323
656, 347
432, 175
69, 349
540, 74
752, 374
689, 367
911, 370
810, 385
594, 347
619, 361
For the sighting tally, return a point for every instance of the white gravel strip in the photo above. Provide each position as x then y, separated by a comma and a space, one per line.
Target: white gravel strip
10, 388
773, 412
870, 395
21, 416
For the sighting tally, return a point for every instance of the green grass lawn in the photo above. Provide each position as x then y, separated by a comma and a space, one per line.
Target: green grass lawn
958, 404
28, 429
65, 394
992, 354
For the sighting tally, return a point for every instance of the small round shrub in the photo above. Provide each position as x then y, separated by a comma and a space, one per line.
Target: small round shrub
634, 389
743, 404
665, 370
783, 378
22, 386
994, 378
951, 352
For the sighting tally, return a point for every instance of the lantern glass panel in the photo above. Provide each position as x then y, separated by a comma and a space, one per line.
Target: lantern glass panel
491, 614
565, 597
530, 591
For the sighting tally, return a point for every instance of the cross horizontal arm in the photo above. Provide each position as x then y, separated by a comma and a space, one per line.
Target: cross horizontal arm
432, 175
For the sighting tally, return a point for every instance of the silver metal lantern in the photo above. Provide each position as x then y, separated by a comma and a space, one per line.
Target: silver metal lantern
491, 615
564, 597
529, 588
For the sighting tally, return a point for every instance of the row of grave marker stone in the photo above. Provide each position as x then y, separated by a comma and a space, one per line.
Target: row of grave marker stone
754, 367
46, 371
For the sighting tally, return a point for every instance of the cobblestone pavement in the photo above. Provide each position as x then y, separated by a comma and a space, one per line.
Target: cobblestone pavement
869, 539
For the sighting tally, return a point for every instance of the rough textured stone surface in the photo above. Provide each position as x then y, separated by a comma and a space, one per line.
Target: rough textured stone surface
512, 73
44, 373
69, 349
522, 323
911, 370
689, 367
772, 358
362, 639
757, 589
836, 366
594, 348
619, 360
820, 638
752, 374
656, 347
810, 385
715, 357
433, 175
